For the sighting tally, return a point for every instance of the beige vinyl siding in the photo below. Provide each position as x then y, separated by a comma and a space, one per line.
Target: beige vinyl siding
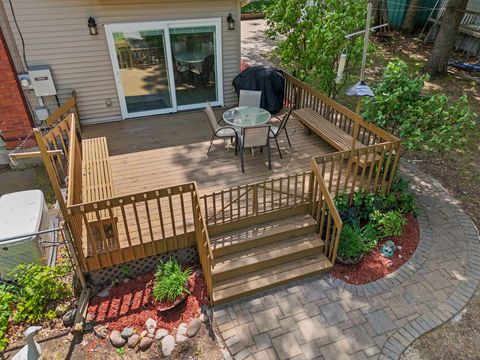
56, 34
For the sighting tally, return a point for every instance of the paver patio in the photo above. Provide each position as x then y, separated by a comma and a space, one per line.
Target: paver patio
321, 317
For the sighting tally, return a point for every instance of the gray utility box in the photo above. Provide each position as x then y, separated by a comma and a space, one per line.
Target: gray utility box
42, 81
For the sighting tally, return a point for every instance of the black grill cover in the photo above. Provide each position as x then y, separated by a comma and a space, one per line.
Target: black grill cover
268, 79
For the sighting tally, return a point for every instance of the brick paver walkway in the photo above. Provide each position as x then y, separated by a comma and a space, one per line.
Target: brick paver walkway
323, 318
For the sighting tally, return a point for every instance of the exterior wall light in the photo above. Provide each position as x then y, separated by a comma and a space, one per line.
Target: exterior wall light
92, 26
231, 22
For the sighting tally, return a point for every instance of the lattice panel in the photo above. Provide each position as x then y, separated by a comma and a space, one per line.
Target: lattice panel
105, 276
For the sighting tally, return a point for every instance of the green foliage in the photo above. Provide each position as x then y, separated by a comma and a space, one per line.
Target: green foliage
38, 286
342, 201
390, 223
6, 301
171, 281
356, 241
423, 121
311, 38
366, 202
120, 351
256, 7
125, 270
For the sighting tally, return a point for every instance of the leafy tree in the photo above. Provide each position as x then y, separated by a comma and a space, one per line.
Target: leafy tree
311, 38
423, 121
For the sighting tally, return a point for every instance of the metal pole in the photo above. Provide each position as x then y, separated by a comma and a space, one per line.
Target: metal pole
73, 254
365, 41
30, 235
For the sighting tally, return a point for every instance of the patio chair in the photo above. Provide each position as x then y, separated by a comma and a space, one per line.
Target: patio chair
255, 136
275, 131
250, 98
220, 131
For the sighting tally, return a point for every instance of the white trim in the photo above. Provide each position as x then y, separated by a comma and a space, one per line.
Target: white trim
165, 26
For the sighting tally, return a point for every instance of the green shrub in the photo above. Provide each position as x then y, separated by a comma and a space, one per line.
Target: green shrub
430, 122
38, 287
366, 203
351, 242
370, 237
171, 281
6, 301
390, 223
407, 203
256, 7
342, 201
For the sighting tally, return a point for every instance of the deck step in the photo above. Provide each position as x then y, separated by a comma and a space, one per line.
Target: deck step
265, 256
251, 283
262, 234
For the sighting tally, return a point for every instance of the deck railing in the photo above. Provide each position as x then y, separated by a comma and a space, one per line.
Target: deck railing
323, 210
204, 248
135, 226
244, 201
371, 168
302, 95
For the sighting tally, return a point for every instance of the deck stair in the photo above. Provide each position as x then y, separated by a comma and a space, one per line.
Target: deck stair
265, 255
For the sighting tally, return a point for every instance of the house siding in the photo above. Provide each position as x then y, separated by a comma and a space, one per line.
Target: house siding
56, 34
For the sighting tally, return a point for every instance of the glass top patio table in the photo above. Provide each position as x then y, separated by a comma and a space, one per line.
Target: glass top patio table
244, 116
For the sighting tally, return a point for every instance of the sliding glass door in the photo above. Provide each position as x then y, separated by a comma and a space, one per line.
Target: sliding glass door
163, 67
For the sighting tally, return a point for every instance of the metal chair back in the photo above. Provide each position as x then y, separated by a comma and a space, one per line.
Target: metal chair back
250, 98
254, 136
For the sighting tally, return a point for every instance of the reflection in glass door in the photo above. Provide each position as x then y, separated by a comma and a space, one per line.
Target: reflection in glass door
193, 52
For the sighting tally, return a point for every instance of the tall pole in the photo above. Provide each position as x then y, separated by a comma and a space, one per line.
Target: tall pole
364, 55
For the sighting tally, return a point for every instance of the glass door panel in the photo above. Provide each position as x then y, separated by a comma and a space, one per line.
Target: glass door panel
142, 71
194, 58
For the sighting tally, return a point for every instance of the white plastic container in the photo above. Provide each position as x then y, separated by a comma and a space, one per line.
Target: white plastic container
22, 213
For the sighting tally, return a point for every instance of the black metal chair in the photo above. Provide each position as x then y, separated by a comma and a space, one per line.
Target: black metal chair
275, 131
255, 136
220, 131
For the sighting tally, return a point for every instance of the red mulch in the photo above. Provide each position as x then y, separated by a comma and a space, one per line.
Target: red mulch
375, 266
130, 305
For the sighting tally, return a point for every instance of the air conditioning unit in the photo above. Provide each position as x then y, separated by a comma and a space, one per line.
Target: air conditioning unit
22, 213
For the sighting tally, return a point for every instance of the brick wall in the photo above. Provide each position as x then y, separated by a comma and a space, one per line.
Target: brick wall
15, 120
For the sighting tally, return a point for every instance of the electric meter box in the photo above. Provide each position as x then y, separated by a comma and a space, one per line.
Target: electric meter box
42, 81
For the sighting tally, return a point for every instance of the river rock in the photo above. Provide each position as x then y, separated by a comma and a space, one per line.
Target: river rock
193, 327
101, 331
127, 332
116, 339
61, 309
181, 333
168, 344
69, 317
145, 343
161, 333
133, 340
202, 318
151, 325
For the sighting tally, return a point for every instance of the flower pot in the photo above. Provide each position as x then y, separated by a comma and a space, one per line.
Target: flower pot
350, 261
169, 305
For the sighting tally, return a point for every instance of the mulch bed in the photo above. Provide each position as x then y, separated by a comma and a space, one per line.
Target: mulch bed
374, 265
130, 304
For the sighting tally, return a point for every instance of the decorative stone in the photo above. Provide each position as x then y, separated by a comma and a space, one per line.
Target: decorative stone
168, 344
133, 340
104, 293
144, 333
145, 343
181, 333
151, 325
116, 339
61, 309
101, 331
193, 327
69, 317
161, 333
202, 318
88, 326
127, 332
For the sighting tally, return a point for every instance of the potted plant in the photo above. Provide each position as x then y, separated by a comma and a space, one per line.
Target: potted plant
171, 285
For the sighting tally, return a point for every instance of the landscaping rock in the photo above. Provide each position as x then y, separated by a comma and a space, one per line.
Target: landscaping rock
61, 309
69, 317
145, 343
202, 318
127, 332
151, 325
181, 333
133, 340
101, 331
161, 333
193, 327
104, 293
168, 344
116, 339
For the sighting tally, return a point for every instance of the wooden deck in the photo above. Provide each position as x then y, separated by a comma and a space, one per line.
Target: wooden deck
169, 150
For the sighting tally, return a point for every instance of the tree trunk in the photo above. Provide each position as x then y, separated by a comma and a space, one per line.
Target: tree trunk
409, 22
447, 34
